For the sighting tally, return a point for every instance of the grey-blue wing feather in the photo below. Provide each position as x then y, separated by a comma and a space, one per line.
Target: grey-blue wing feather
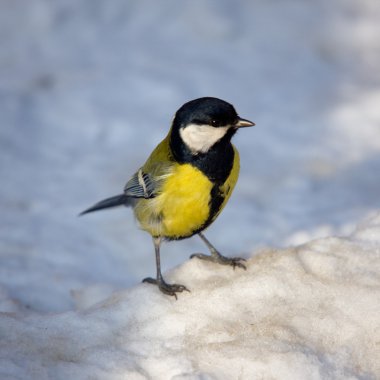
141, 185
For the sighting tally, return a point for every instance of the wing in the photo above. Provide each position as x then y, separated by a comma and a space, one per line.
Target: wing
147, 181
141, 185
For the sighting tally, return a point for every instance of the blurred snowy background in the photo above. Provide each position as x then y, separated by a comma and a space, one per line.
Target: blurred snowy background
88, 88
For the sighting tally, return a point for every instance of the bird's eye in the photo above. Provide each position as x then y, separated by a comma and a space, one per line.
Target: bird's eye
214, 122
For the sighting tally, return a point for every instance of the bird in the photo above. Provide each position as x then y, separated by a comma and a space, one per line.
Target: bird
186, 181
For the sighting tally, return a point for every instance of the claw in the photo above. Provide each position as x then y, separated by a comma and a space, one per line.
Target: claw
169, 289
216, 257
235, 262
219, 259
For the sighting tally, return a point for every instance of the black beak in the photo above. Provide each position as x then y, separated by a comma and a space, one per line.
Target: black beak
243, 123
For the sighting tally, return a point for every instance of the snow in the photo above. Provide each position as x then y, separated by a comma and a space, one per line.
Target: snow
88, 88
308, 312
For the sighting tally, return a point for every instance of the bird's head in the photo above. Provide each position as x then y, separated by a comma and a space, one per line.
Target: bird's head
203, 122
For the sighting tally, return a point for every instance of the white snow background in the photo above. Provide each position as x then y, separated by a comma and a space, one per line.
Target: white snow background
88, 88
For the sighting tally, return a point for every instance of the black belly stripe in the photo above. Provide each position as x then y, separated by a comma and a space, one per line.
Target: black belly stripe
216, 201
216, 164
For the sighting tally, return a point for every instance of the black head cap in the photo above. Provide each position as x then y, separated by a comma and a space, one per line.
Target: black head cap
207, 110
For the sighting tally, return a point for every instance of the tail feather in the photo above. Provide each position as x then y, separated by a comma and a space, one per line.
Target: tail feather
117, 200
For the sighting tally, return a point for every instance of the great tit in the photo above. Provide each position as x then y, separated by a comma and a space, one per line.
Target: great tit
186, 181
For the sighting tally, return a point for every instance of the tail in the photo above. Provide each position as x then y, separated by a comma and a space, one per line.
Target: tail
117, 200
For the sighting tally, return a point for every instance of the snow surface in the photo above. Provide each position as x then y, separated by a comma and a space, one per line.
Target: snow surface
88, 88
309, 312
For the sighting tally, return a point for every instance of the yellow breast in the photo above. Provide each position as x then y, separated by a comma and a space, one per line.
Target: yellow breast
181, 206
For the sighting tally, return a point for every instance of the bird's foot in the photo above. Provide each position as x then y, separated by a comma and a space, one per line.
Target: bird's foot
216, 257
169, 289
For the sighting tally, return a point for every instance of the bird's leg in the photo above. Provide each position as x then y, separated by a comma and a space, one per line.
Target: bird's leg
170, 289
216, 257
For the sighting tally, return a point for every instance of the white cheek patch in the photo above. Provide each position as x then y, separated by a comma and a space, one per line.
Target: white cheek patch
200, 138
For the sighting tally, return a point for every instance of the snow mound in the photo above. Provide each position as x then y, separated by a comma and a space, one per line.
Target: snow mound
308, 312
